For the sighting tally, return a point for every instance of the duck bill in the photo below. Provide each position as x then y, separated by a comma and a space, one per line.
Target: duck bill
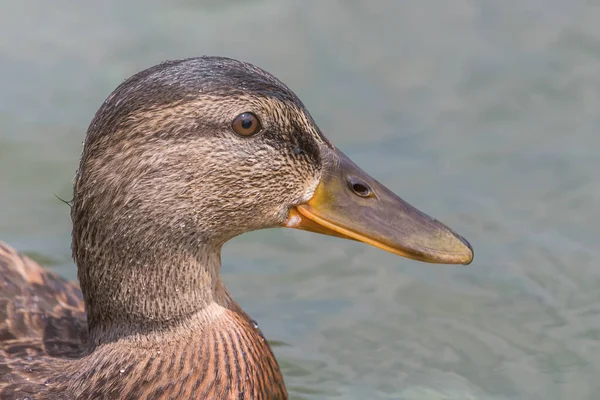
350, 204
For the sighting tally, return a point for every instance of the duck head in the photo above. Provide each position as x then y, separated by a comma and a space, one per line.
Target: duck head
188, 154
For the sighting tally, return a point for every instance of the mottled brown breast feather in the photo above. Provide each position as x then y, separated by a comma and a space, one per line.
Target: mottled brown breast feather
43, 349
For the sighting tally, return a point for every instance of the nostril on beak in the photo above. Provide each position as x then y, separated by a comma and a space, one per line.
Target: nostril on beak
359, 187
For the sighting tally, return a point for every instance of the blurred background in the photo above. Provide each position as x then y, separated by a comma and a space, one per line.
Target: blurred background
485, 114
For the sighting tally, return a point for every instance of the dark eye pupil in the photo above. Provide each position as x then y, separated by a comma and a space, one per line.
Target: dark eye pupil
247, 123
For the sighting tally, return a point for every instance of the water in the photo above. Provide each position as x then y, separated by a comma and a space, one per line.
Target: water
482, 113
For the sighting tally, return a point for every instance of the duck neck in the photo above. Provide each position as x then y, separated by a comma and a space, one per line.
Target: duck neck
140, 293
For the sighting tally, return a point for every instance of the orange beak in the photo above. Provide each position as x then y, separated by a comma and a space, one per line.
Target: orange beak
348, 203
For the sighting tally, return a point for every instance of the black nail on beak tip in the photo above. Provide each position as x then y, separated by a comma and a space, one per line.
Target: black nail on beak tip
466, 243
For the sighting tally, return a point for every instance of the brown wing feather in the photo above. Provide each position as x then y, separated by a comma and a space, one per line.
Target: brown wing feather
42, 316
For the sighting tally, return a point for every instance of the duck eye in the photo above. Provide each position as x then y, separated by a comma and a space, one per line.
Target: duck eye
246, 124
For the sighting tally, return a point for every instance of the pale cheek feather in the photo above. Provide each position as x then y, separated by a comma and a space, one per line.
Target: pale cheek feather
293, 222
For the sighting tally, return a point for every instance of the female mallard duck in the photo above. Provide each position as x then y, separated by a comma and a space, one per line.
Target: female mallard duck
179, 159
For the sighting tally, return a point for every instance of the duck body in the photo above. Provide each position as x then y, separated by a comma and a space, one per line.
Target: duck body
44, 351
179, 159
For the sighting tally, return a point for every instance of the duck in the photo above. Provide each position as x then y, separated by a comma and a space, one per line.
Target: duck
178, 160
